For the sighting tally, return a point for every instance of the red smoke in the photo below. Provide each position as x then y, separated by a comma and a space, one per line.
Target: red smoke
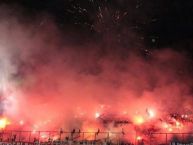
47, 84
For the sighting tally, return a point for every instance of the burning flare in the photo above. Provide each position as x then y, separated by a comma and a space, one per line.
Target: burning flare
4, 122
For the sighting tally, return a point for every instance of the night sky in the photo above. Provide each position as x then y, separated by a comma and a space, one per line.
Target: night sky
158, 23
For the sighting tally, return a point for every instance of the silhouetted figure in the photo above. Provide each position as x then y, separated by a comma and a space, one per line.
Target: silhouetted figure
61, 131
67, 138
123, 132
72, 133
35, 141
14, 138
98, 131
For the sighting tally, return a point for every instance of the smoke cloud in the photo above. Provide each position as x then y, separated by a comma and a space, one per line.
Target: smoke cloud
50, 83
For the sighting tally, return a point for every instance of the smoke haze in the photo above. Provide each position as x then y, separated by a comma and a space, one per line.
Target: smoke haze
50, 81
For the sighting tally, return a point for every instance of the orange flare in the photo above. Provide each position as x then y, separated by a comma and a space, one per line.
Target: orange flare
138, 120
4, 122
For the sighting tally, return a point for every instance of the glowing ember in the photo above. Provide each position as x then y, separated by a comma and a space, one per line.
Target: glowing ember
21, 122
97, 115
170, 129
4, 122
44, 136
138, 120
165, 125
139, 138
55, 137
177, 123
151, 113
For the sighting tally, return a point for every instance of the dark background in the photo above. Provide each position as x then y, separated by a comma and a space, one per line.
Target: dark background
158, 23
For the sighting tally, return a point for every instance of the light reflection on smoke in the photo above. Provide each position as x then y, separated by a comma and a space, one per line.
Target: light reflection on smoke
46, 84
